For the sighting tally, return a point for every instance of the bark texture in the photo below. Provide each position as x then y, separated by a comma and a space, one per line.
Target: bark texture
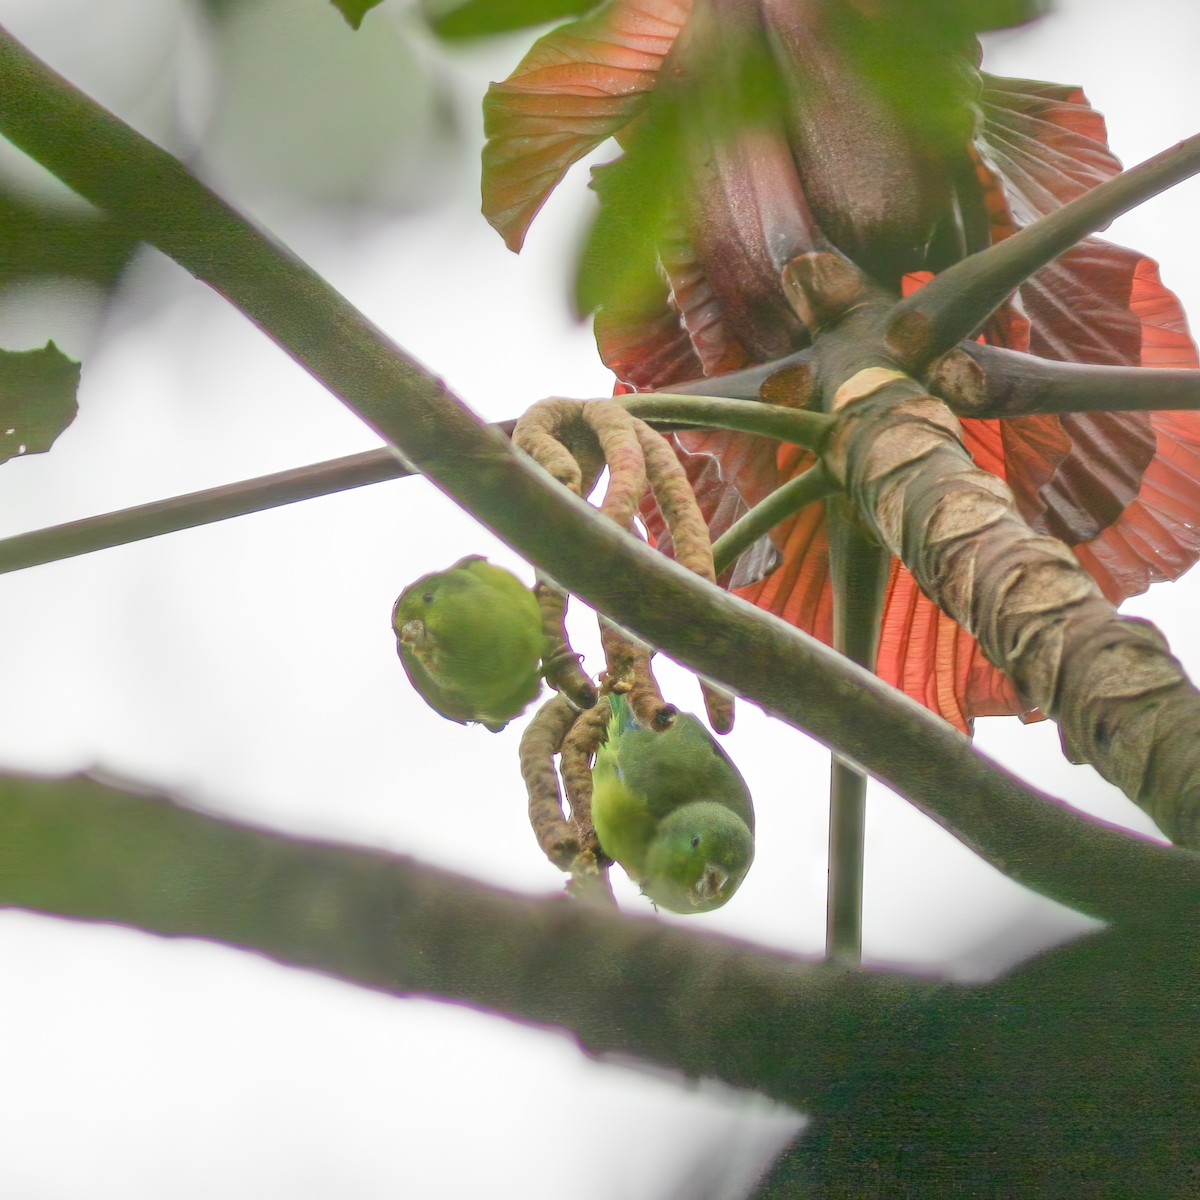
1122, 701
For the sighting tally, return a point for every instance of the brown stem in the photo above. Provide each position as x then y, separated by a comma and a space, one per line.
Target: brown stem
689, 534
540, 742
578, 748
561, 667
988, 381
718, 706
631, 675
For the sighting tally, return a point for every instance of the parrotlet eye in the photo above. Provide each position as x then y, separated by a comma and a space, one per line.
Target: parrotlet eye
427, 598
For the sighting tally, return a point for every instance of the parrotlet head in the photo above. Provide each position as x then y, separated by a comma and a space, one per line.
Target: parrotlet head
671, 808
698, 858
470, 639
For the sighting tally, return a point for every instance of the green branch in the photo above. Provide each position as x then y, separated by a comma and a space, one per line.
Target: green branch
783, 502
795, 425
1031, 837
954, 304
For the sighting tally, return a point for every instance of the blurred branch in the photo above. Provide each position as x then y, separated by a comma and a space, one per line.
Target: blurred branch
1074, 1069
40, 240
702, 1004
1032, 838
955, 303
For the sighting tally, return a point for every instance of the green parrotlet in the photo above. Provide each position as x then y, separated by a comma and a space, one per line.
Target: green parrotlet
471, 642
673, 810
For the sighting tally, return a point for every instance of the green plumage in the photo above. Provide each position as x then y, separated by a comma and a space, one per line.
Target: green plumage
673, 810
471, 642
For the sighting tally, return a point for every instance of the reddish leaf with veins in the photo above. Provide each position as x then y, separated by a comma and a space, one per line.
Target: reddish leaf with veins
578, 86
902, 187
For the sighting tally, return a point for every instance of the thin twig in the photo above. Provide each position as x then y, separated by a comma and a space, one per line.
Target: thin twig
143, 521
159, 517
785, 500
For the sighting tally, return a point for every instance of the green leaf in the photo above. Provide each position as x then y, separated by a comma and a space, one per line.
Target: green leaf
37, 399
453, 19
639, 200
355, 10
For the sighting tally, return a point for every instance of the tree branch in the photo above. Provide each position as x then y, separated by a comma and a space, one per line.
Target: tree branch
955, 303
197, 508
1024, 1083
1032, 838
1122, 701
357, 470
988, 381
701, 1004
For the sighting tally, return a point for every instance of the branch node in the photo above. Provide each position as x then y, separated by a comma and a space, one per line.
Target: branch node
822, 288
959, 380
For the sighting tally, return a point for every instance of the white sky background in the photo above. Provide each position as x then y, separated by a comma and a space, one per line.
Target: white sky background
249, 666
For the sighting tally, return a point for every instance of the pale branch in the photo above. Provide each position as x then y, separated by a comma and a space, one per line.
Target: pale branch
1032, 838
988, 381
956, 302
692, 1001
1123, 703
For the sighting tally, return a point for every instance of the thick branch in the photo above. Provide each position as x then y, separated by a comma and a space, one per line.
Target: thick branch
987, 381
1122, 701
956, 303
1032, 838
1023, 1084
704, 1005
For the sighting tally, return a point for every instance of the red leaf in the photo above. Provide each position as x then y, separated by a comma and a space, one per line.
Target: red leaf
1122, 488
1044, 142
580, 84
